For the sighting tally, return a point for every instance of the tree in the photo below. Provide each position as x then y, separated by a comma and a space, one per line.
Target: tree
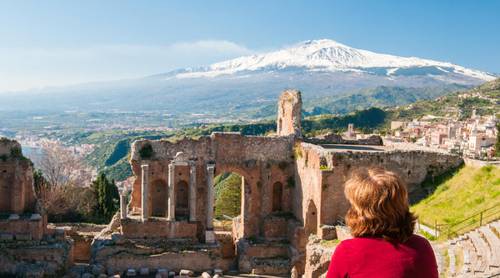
107, 197
60, 166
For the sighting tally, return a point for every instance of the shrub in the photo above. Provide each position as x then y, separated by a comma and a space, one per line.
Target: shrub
146, 152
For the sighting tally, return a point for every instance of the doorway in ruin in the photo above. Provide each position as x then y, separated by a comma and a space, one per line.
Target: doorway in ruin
228, 187
159, 198
277, 196
182, 201
5, 190
311, 220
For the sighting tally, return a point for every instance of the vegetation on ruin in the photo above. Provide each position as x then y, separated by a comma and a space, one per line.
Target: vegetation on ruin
470, 191
146, 152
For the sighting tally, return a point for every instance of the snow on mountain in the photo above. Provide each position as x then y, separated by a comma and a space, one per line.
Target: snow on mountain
327, 55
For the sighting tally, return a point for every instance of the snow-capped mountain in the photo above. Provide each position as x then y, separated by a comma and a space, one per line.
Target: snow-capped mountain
332, 77
328, 55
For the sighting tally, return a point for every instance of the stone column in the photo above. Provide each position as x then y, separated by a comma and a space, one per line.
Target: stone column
210, 196
123, 205
144, 192
171, 193
209, 234
192, 192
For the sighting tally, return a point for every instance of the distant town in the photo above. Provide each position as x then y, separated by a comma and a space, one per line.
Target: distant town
473, 138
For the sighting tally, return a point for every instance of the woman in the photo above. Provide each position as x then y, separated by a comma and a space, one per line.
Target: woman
382, 226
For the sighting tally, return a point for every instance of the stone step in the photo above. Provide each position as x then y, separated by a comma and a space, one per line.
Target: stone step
452, 261
494, 245
467, 260
439, 258
482, 252
496, 226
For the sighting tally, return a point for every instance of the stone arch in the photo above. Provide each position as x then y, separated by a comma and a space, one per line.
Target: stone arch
248, 218
182, 200
277, 197
159, 196
311, 220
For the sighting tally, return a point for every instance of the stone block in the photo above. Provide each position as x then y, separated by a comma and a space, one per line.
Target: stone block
35, 217
163, 272
131, 272
171, 274
6, 236
209, 237
327, 232
186, 272
23, 237
97, 269
144, 271
218, 271
14, 216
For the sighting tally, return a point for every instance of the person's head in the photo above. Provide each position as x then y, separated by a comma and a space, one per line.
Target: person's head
379, 205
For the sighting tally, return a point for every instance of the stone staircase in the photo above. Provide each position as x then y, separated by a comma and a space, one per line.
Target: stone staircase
474, 254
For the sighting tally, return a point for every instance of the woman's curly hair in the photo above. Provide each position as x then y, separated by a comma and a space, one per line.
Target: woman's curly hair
379, 205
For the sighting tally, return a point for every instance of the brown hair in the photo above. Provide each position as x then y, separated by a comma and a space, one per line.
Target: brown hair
379, 205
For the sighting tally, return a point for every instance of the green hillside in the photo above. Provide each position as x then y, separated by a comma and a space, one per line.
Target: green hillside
485, 99
466, 192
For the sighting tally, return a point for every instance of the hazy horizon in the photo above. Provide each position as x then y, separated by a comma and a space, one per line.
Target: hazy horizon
56, 43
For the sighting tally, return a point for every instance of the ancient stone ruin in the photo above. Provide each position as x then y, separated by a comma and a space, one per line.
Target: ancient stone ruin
28, 247
291, 192
291, 189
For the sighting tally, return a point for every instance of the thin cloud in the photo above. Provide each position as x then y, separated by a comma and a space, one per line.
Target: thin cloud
24, 68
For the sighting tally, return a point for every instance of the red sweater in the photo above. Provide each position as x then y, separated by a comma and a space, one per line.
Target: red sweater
376, 257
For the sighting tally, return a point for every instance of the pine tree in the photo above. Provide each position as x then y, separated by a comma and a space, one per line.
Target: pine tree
107, 197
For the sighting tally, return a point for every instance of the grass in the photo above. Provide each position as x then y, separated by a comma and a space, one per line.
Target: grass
329, 243
468, 192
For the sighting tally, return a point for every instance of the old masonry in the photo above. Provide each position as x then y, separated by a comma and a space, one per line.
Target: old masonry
292, 194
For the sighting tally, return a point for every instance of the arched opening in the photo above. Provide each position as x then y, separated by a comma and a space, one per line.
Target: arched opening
277, 196
227, 199
311, 221
159, 196
182, 201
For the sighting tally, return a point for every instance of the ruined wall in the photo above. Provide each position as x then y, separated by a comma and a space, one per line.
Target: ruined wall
332, 138
322, 174
16, 179
261, 161
289, 114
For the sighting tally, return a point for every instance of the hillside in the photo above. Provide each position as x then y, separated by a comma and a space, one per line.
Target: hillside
485, 99
112, 147
460, 195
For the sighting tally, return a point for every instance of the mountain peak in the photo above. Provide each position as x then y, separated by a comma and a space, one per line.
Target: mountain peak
327, 55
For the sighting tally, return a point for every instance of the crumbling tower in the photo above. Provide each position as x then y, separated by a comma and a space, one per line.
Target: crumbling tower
289, 114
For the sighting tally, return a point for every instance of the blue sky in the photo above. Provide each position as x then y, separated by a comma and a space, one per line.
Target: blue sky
45, 43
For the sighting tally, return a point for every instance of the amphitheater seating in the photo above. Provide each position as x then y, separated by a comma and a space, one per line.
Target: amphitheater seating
474, 254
